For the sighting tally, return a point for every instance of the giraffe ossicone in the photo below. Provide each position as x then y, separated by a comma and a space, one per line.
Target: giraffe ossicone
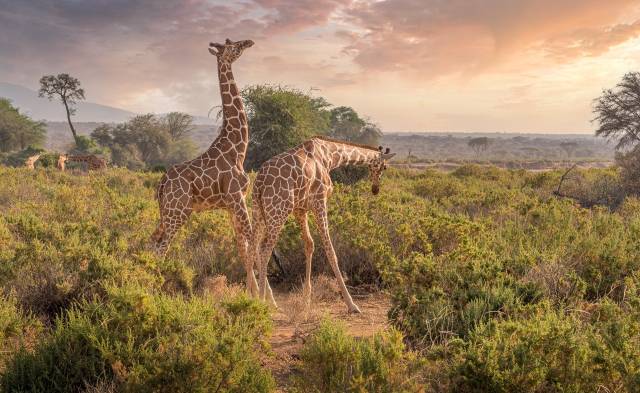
298, 182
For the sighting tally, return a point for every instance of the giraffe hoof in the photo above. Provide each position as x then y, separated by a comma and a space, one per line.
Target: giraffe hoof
353, 309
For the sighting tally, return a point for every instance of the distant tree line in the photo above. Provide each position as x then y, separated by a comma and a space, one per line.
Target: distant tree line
279, 118
147, 141
19, 131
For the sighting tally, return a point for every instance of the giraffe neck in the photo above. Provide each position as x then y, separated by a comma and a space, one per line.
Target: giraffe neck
338, 154
234, 119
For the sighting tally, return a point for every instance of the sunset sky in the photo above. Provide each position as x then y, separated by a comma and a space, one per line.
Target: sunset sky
409, 65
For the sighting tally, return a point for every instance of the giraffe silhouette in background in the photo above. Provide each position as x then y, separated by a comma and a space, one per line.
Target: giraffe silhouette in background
93, 162
31, 161
216, 179
297, 181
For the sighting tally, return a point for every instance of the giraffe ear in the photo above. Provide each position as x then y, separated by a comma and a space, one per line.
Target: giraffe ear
388, 156
213, 51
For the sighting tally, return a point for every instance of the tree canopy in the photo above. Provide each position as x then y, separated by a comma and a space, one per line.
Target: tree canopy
67, 89
479, 144
147, 140
281, 118
617, 112
18, 131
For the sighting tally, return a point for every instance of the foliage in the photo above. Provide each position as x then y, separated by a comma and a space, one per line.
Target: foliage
18, 131
18, 330
617, 110
281, 118
481, 264
332, 361
146, 342
147, 141
67, 89
479, 144
347, 125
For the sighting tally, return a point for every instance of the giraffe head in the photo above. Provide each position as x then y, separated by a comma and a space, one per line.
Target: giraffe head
229, 51
376, 167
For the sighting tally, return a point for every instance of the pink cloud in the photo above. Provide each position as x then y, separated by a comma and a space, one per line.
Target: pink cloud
433, 37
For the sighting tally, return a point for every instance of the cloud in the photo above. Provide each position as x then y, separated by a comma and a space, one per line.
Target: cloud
434, 37
294, 15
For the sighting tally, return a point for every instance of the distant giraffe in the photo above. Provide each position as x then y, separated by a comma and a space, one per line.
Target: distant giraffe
93, 162
215, 179
31, 161
297, 181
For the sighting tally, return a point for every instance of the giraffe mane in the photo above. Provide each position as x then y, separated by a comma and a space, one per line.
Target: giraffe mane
361, 145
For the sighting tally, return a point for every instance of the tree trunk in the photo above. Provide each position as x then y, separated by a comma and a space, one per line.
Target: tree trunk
73, 130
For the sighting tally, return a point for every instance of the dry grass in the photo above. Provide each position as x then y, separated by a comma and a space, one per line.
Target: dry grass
218, 287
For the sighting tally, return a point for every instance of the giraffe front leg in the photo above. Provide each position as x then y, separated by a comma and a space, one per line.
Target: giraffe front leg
301, 217
169, 225
320, 212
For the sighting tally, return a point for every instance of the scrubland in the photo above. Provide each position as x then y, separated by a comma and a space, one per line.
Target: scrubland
494, 284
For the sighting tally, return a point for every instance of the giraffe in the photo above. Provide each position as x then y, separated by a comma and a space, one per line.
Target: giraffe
216, 179
93, 162
296, 182
31, 161
62, 159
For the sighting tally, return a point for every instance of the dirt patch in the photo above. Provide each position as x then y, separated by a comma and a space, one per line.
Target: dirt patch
294, 321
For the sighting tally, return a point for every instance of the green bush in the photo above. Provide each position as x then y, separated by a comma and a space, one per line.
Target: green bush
18, 330
332, 361
145, 342
551, 351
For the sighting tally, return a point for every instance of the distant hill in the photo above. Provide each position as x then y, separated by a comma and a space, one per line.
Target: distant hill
42, 109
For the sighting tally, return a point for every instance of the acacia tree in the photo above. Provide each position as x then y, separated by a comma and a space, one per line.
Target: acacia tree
617, 113
479, 144
280, 118
67, 89
179, 125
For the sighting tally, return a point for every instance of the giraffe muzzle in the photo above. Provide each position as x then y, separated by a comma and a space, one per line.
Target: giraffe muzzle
375, 189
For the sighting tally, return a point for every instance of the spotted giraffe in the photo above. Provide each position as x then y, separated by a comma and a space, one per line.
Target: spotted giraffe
215, 179
93, 162
31, 161
296, 182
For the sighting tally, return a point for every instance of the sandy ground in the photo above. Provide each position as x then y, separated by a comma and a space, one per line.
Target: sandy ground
293, 322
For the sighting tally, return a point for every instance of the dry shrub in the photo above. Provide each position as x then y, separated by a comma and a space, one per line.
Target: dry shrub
559, 282
218, 287
324, 288
103, 386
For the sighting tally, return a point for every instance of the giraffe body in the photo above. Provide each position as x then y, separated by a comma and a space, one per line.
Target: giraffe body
298, 182
93, 162
216, 179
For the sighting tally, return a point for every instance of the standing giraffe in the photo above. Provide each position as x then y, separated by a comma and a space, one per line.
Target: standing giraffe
215, 179
93, 162
31, 161
297, 181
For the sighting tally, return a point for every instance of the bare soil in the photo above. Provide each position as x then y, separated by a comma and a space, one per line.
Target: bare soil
293, 322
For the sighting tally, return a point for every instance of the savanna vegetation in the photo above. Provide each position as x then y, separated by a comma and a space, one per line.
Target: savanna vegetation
498, 280
495, 283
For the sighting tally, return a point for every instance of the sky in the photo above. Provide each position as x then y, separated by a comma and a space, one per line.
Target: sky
407, 65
